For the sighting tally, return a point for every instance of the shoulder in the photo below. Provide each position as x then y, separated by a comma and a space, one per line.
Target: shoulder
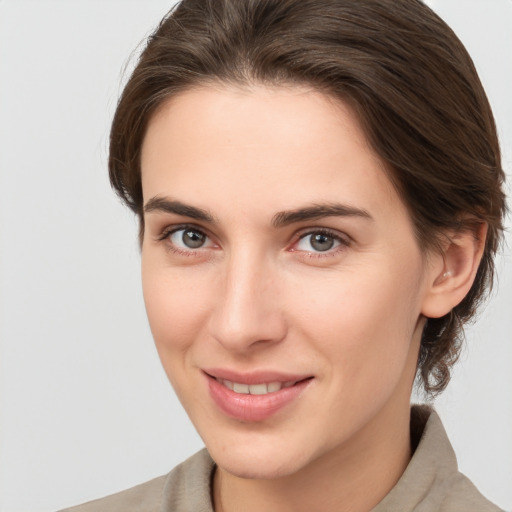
432, 480
450, 490
455, 491
188, 484
146, 496
462, 495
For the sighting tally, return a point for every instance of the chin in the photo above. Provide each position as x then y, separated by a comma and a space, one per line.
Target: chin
257, 469
259, 461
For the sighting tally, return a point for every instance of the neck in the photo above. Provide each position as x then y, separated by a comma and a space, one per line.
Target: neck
351, 478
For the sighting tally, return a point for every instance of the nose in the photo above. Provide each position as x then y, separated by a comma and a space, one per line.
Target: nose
248, 313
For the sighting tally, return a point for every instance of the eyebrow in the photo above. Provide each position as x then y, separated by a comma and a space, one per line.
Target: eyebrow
162, 204
318, 211
280, 219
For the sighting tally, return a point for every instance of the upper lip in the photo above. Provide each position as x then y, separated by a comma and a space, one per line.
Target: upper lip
254, 377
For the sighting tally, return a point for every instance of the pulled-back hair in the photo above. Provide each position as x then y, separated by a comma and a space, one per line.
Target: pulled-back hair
404, 72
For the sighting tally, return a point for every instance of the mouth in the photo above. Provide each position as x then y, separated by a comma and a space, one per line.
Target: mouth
255, 389
254, 397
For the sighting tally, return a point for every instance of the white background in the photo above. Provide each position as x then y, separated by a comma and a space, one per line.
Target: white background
85, 407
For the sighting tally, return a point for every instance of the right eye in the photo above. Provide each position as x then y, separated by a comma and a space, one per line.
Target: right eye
188, 238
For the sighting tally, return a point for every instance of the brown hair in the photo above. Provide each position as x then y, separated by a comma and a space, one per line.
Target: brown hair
401, 68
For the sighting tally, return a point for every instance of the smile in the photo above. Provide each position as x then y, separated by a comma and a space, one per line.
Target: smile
255, 389
254, 397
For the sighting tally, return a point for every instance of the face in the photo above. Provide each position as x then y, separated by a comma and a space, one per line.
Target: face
282, 279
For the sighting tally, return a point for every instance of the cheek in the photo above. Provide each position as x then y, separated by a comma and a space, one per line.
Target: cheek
175, 307
363, 320
364, 328
175, 318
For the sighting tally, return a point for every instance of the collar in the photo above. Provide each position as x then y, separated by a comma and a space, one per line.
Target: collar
430, 471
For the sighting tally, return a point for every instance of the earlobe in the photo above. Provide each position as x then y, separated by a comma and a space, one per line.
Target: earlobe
453, 272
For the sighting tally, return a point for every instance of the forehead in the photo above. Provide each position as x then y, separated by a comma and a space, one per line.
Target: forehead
274, 117
275, 147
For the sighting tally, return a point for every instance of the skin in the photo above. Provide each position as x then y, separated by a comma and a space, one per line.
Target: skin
256, 296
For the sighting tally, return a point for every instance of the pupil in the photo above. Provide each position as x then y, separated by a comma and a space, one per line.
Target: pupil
322, 242
193, 239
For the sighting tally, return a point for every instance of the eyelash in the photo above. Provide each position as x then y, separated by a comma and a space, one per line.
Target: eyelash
166, 233
343, 241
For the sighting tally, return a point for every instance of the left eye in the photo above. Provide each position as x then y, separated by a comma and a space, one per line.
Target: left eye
188, 238
318, 242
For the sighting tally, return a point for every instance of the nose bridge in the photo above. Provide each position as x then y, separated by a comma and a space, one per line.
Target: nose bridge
247, 310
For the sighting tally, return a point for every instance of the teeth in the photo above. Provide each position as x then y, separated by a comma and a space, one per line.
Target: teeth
255, 389
273, 386
241, 388
258, 389
228, 384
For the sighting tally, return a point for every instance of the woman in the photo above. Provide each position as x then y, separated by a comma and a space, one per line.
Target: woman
319, 192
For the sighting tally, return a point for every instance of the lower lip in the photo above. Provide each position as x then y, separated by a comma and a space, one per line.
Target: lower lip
252, 408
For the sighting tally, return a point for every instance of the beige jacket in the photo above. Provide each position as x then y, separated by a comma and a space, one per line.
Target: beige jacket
430, 483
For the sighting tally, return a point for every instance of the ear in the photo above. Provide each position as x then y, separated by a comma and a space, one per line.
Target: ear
452, 272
